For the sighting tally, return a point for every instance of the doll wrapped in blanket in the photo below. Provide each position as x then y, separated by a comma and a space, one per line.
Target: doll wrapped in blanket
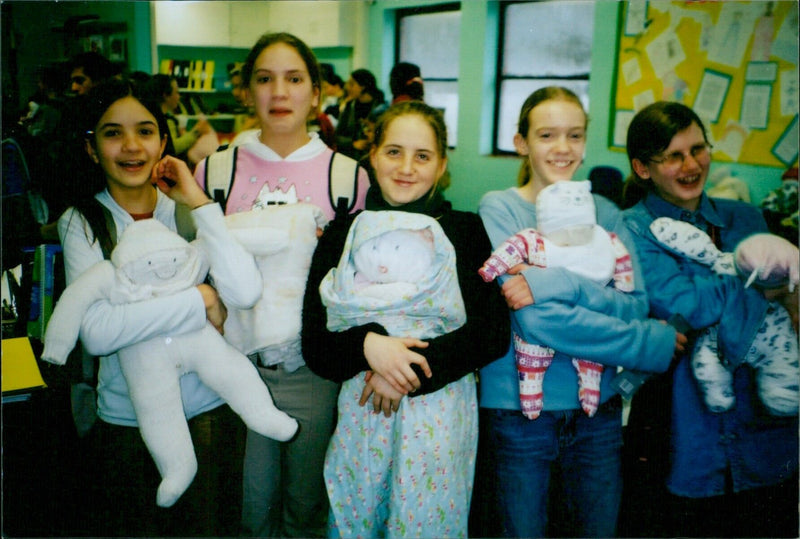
397, 269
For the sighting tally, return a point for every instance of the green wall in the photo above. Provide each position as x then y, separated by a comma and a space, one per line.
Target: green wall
473, 168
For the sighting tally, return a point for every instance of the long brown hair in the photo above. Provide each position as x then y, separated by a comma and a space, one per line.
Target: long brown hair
524, 125
305, 52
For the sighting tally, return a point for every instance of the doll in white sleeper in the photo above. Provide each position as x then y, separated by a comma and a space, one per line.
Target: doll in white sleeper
774, 351
149, 261
568, 236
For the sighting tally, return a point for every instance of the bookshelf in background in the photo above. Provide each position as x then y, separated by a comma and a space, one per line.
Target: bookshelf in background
192, 75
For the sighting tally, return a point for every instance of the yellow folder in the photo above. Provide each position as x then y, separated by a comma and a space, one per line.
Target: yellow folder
19, 368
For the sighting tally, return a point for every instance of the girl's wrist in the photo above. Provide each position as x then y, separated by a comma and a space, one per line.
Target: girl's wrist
200, 202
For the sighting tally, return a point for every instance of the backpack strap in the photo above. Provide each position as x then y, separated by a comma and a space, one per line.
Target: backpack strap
219, 174
342, 183
342, 180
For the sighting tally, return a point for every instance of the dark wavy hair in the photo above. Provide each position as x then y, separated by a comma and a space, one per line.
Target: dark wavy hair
157, 87
406, 79
366, 79
105, 94
92, 178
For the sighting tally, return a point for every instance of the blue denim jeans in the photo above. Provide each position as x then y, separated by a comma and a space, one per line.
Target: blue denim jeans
584, 453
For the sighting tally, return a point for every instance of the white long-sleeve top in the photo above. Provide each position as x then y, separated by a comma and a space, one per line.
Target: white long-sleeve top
107, 328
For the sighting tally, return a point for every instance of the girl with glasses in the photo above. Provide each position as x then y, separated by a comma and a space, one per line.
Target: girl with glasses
734, 472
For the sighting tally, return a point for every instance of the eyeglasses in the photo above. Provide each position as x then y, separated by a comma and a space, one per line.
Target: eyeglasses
677, 159
78, 80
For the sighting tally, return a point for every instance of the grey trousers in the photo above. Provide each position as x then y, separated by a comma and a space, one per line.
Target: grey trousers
284, 490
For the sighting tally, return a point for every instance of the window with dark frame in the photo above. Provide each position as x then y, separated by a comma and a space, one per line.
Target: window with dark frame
542, 43
430, 38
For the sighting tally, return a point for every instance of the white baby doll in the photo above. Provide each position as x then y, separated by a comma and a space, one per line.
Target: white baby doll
568, 236
774, 351
392, 264
152, 261
282, 238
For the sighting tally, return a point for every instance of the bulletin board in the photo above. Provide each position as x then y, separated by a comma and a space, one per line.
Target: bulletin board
734, 63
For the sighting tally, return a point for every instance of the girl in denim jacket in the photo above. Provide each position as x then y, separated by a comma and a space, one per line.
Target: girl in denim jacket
732, 473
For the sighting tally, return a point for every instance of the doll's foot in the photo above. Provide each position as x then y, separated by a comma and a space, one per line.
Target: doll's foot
175, 483
714, 380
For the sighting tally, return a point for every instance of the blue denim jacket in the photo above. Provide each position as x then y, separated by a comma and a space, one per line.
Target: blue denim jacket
755, 448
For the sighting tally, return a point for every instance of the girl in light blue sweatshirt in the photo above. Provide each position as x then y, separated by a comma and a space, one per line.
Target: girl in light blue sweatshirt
576, 317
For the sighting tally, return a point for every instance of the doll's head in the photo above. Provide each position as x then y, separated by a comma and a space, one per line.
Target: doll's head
151, 257
401, 255
565, 213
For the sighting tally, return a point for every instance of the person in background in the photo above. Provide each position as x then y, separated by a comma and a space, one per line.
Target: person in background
164, 90
420, 481
140, 78
333, 92
235, 78
44, 106
363, 95
87, 70
281, 162
732, 473
126, 138
245, 117
564, 462
64, 162
780, 207
405, 82
368, 127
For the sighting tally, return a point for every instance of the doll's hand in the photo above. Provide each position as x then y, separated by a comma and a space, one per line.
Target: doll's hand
391, 358
216, 313
516, 290
174, 179
384, 396
771, 260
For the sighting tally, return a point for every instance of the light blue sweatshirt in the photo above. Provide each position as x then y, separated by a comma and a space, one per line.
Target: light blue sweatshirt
573, 315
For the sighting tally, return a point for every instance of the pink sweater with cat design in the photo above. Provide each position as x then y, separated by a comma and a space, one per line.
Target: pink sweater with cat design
265, 177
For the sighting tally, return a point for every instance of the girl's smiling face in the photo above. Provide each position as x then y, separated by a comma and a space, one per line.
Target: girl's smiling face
679, 174
283, 92
127, 144
555, 142
407, 163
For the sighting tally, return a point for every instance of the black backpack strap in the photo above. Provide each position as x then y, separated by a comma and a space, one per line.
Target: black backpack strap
342, 183
219, 174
